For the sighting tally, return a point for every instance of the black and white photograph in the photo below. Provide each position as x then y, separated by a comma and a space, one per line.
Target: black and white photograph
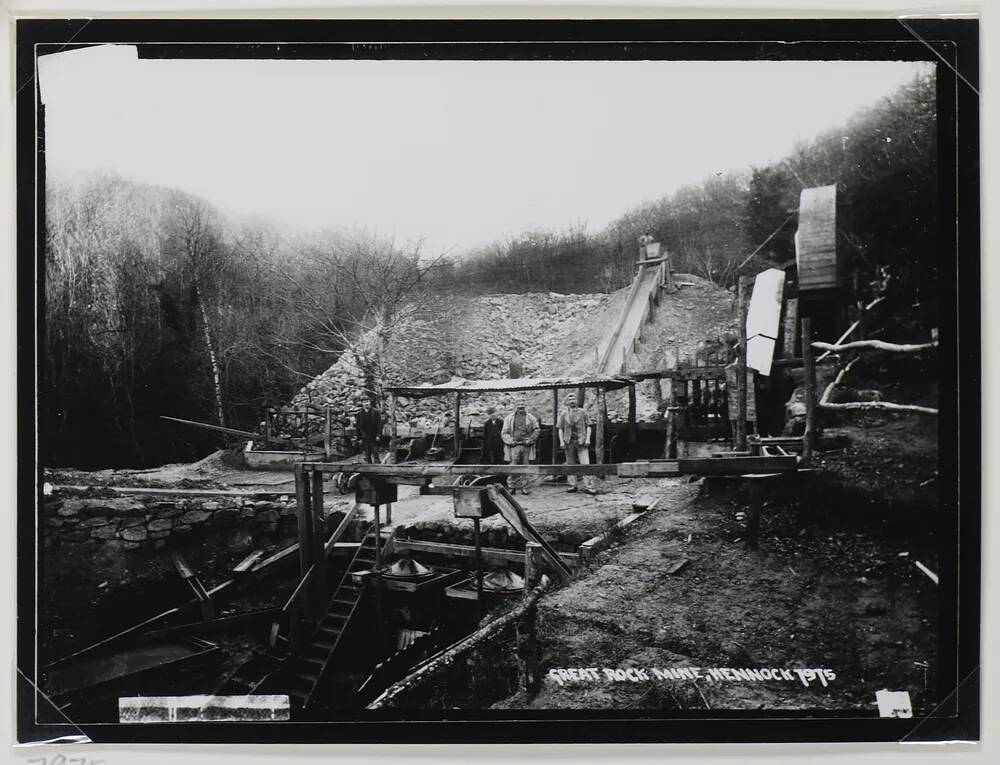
575, 376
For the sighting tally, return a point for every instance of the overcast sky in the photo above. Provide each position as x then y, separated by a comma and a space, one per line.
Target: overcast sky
456, 153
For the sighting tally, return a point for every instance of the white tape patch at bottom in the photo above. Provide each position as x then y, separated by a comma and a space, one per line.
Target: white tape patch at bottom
894, 703
203, 708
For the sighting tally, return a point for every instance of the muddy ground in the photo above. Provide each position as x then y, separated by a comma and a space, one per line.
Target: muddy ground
823, 591
833, 585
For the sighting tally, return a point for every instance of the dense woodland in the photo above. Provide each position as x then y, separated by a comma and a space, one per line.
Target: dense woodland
157, 303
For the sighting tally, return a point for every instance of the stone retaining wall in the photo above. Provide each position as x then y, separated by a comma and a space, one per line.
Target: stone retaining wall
152, 522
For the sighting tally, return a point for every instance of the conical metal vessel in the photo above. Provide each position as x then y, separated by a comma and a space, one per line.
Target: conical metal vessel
407, 568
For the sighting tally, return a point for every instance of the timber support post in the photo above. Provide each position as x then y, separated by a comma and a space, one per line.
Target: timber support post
378, 537
328, 434
741, 367
306, 533
532, 566
393, 432
457, 432
555, 424
631, 420
526, 627
318, 545
601, 419
479, 566
670, 448
809, 368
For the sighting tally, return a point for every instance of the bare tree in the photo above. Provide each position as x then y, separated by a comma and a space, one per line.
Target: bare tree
198, 237
355, 293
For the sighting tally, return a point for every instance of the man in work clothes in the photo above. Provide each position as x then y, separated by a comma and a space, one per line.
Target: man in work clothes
368, 422
493, 449
574, 436
519, 434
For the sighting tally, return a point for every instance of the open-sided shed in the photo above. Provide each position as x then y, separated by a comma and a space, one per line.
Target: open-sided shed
461, 387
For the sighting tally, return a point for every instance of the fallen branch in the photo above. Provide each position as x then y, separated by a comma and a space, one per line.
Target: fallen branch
884, 405
850, 329
825, 399
460, 648
874, 345
930, 574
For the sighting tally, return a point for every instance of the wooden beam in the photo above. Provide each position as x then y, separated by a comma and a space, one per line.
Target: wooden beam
393, 433
533, 562
228, 431
602, 417
319, 548
555, 425
212, 625
659, 468
707, 372
458, 425
741, 367
631, 417
595, 544
244, 566
491, 555
526, 632
459, 649
809, 435
303, 514
790, 327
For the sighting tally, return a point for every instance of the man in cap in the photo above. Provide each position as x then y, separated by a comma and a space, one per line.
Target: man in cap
368, 422
493, 449
519, 435
574, 437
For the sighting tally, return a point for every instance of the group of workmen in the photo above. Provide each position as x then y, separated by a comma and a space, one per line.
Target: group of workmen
513, 439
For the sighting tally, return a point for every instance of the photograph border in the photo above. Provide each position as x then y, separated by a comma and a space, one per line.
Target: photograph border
952, 44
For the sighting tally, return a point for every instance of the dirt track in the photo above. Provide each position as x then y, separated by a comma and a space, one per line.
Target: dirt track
820, 599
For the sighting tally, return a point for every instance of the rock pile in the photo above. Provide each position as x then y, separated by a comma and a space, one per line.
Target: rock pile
476, 338
539, 334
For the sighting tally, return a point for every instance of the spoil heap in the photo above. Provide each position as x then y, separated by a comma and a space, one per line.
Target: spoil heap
550, 334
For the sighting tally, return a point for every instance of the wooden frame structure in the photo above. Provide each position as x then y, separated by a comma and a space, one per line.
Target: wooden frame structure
600, 383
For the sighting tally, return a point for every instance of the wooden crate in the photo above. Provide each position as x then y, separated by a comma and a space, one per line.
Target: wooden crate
472, 502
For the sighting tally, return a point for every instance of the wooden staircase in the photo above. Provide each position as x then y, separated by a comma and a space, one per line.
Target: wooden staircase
300, 675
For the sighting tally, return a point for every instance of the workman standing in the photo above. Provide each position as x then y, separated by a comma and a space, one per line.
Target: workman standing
574, 437
493, 450
519, 434
368, 422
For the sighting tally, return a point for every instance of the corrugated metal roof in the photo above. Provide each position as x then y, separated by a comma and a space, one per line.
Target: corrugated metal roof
461, 385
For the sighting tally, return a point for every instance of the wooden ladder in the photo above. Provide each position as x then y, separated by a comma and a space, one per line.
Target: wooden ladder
303, 673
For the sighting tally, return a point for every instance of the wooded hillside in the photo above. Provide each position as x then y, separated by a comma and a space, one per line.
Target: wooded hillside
157, 303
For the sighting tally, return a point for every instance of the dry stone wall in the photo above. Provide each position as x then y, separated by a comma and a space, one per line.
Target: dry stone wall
151, 522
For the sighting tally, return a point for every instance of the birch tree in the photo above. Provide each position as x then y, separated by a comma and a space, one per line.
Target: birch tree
196, 234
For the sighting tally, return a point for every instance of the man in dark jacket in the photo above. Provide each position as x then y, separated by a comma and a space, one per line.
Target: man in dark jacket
368, 422
492, 443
